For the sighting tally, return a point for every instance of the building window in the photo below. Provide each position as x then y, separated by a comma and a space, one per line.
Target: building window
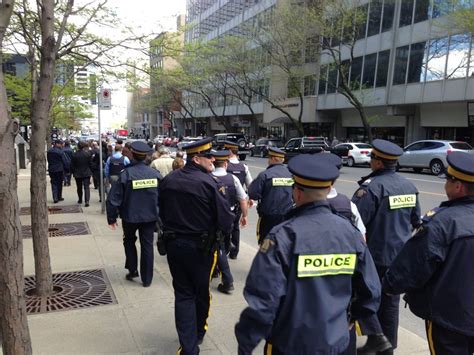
401, 61
458, 57
416, 67
311, 51
356, 73
309, 85
323, 72
375, 18
471, 63
388, 14
436, 62
361, 21
422, 9
406, 13
294, 87
332, 79
440, 8
345, 67
382, 69
369, 71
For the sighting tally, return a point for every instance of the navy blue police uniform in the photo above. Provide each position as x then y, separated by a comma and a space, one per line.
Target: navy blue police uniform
389, 206
314, 263
434, 268
192, 210
227, 280
240, 171
56, 166
134, 197
273, 190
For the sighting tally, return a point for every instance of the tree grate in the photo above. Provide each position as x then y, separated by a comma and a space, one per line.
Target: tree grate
61, 229
24, 211
72, 290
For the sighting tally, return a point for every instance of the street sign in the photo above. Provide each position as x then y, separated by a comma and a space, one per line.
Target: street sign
105, 99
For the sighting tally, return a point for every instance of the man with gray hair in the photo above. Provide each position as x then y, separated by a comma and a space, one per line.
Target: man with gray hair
164, 164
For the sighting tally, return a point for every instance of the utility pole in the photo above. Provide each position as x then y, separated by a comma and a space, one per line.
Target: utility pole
104, 102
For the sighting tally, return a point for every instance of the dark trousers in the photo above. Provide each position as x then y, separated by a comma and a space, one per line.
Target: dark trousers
67, 177
223, 263
443, 341
266, 223
235, 235
191, 270
145, 232
270, 349
80, 183
57, 185
96, 181
352, 348
386, 319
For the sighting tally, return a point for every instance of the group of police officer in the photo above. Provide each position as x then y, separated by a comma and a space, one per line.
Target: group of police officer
327, 265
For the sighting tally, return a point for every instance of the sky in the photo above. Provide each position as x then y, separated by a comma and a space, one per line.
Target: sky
145, 16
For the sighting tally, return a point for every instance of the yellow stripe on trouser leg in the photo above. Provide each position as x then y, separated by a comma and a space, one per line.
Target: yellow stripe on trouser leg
430, 337
358, 330
180, 349
258, 229
214, 262
269, 349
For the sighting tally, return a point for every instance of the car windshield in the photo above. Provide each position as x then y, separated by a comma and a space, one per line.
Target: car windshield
363, 146
460, 145
313, 142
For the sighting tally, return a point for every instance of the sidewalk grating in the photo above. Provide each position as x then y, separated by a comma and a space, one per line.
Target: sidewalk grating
72, 290
24, 211
61, 229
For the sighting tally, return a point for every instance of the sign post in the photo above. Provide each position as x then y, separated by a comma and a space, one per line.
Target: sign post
104, 102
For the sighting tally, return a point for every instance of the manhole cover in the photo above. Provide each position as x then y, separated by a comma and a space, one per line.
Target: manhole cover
54, 210
71, 290
61, 229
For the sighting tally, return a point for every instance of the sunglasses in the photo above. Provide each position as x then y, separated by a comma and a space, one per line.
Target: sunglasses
207, 156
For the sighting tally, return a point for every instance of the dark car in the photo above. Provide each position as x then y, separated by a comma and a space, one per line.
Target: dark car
304, 145
261, 146
239, 138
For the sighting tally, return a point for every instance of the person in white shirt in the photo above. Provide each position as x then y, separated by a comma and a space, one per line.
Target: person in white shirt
164, 163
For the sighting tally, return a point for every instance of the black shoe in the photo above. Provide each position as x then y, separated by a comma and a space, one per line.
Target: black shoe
146, 284
61, 199
131, 275
227, 289
375, 343
79, 201
86, 204
233, 256
386, 352
55, 201
200, 340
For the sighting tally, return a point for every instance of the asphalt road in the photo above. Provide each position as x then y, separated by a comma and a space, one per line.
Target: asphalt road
431, 190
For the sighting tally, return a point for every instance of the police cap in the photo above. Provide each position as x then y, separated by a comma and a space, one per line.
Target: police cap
385, 150
140, 148
220, 155
276, 152
332, 159
313, 171
461, 166
202, 146
58, 141
231, 145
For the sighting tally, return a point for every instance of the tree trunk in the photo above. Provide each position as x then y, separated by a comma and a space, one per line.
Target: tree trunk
39, 119
365, 122
13, 321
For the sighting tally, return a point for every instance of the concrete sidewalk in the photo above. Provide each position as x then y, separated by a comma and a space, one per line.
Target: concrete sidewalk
142, 322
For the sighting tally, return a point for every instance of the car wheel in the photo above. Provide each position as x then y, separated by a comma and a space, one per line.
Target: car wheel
262, 154
397, 168
350, 162
436, 167
417, 170
241, 143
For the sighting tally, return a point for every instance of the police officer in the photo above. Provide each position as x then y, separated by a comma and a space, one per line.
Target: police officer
311, 264
56, 165
193, 210
389, 206
272, 189
237, 199
242, 172
434, 267
135, 198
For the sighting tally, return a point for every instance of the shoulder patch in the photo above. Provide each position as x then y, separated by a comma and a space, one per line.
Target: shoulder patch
429, 215
222, 190
266, 245
360, 193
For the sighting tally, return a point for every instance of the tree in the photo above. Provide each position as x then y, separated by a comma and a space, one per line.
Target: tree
13, 322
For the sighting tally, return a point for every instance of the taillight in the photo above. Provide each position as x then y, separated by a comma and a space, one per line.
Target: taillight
364, 152
449, 151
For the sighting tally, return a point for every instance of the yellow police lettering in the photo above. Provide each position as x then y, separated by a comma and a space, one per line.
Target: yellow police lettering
402, 201
144, 184
282, 182
326, 265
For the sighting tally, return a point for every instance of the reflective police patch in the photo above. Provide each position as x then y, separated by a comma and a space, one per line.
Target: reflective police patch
266, 244
402, 201
222, 190
326, 265
282, 182
144, 184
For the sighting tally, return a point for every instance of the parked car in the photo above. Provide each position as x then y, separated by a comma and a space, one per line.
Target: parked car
159, 139
304, 145
430, 154
261, 146
186, 140
239, 138
353, 153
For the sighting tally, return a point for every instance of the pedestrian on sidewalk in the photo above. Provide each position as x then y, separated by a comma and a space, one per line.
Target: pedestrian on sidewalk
81, 170
134, 197
56, 166
194, 213
115, 164
434, 267
237, 198
68, 152
313, 275
164, 163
